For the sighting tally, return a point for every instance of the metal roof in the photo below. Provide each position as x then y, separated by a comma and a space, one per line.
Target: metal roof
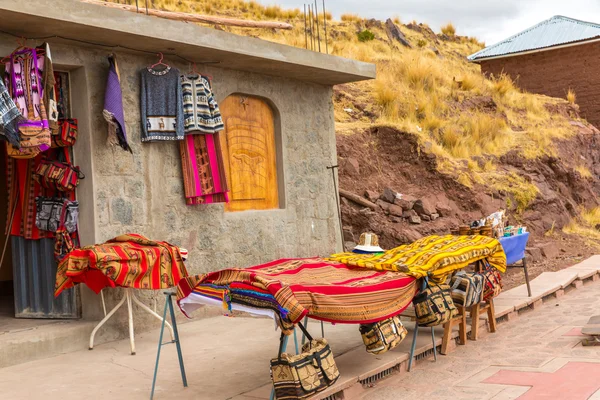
555, 31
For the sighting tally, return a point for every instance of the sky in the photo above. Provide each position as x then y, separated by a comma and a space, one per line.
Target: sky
489, 20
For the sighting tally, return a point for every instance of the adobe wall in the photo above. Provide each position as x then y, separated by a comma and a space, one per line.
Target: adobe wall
553, 72
143, 192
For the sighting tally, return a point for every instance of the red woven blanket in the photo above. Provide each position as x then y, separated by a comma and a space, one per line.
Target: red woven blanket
324, 290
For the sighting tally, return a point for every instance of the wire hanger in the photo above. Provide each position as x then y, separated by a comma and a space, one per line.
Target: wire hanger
160, 62
21, 45
194, 70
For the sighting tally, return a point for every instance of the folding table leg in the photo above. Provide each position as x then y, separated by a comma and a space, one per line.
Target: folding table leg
526, 276
169, 306
177, 343
433, 342
130, 318
296, 341
413, 346
160, 339
306, 326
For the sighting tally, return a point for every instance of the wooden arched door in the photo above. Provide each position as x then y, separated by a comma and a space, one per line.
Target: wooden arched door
249, 153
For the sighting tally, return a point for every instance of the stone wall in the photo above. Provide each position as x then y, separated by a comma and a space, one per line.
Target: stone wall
143, 192
554, 72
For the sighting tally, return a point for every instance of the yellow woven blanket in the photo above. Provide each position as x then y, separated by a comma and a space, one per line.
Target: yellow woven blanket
436, 256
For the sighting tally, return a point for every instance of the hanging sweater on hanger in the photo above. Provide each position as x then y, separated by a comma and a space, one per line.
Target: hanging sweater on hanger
200, 110
161, 105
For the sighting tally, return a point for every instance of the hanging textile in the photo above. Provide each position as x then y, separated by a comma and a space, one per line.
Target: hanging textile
204, 177
200, 110
10, 116
113, 106
49, 94
434, 255
23, 190
129, 260
161, 105
24, 80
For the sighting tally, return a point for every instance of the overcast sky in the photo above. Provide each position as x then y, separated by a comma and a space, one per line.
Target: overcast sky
488, 20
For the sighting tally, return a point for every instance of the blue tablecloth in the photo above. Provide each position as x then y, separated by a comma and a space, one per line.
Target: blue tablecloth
514, 247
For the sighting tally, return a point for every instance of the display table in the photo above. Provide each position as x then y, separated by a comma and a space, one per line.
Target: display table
514, 248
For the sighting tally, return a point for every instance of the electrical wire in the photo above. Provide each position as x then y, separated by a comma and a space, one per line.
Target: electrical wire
107, 45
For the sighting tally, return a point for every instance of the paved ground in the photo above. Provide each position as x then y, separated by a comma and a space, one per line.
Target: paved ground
537, 356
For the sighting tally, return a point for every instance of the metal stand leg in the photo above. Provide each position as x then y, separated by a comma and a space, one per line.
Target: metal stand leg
169, 305
106, 318
282, 346
151, 312
306, 326
526, 276
433, 341
413, 346
177, 343
296, 341
130, 317
322, 330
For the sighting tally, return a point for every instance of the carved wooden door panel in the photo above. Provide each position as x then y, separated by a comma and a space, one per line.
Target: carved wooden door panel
248, 144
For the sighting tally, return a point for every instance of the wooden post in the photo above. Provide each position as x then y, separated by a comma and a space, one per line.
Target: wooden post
491, 315
206, 19
474, 321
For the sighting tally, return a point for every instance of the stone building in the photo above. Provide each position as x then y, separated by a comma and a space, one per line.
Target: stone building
143, 192
550, 58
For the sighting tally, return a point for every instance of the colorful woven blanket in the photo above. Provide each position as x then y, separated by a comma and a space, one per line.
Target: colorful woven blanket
434, 256
323, 290
129, 260
204, 178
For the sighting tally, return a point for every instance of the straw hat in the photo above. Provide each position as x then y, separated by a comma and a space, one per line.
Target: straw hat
369, 242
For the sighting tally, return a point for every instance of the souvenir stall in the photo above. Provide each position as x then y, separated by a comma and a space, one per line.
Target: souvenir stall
367, 288
42, 211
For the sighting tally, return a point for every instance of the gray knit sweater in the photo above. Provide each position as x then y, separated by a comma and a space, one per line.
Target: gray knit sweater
161, 105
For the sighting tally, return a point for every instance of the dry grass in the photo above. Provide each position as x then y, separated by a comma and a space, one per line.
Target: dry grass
571, 97
449, 29
583, 171
351, 18
585, 224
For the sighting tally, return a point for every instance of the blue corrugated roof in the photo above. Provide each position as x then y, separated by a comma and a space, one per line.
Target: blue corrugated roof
551, 32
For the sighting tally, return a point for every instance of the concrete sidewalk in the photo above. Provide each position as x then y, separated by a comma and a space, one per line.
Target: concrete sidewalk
228, 358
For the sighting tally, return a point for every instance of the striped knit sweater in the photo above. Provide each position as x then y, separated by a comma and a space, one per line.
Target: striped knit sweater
200, 110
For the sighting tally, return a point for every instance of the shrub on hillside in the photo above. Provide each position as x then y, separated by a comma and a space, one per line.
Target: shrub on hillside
366, 36
449, 29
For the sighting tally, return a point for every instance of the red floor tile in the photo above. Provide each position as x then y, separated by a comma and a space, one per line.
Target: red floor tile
574, 381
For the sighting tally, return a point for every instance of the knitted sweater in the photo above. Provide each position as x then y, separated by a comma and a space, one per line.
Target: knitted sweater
200, 110
161, 105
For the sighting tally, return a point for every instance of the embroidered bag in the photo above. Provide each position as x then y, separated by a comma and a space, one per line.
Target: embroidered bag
23, 152
57, 175
301, 376
434, 305
63, 243
467, 288
66, 135
492, 283
383, 336
34, 130
49, 211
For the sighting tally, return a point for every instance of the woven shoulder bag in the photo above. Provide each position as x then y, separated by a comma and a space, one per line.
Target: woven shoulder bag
383, 335
301, 376
434, 305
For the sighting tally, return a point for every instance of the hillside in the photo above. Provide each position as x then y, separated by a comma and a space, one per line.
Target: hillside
434, 129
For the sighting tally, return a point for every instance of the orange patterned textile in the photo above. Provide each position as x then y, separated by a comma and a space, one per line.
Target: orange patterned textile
129, 260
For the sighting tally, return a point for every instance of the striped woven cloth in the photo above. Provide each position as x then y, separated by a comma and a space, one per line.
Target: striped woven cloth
323, 290
204, 178
434, 256
129, 260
